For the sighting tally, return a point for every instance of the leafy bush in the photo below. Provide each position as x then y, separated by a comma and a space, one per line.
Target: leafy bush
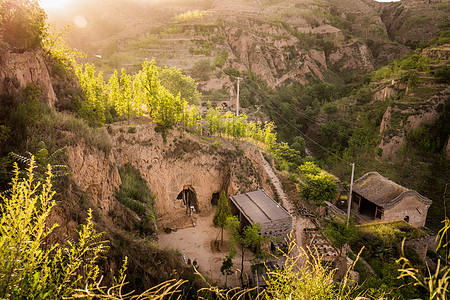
23, 24
134, 194
27, 269
341, 233
221, 59
202, 69
443, 74
232, 72
218, 95
283, 154
190, 15
364, 95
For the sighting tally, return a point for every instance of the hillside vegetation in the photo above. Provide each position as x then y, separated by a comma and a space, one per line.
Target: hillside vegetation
323, 85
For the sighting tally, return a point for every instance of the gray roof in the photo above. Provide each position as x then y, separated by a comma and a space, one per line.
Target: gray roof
258, 207
382, 191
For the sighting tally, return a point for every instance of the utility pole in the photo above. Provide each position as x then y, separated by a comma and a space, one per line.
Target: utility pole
237, 98
349, 201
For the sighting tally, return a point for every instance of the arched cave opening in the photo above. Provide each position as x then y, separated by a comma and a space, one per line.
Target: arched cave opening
189, 198
215, 198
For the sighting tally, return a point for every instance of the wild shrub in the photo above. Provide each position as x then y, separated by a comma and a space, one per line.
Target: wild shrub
23, 24
221, 59
202, 69
190, 15
59, 129
28, 270
443, 74
134, 194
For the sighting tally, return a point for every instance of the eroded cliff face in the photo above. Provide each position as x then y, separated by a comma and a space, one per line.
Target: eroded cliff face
397, 121
96, 173
17, 70
184, 161
279, 56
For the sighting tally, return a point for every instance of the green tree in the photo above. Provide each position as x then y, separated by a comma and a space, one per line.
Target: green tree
129, 104
316, 186
213, 117
147, 84
249, 237
222, 213
55, 45
299, 144
166, 109
94, 108
177, 83
285, 154
225, 269
221, 59
114, 93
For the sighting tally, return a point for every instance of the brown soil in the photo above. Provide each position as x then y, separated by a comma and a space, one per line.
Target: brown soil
199, 243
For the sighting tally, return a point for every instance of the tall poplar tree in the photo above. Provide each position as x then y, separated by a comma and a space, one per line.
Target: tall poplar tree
222, 213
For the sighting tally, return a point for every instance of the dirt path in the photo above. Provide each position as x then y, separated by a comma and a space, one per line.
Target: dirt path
195, 243
298, 223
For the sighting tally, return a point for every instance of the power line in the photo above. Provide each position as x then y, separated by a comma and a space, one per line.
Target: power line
411, 167
305, 116
293, 126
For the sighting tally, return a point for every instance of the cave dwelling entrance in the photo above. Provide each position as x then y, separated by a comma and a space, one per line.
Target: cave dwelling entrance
189, 198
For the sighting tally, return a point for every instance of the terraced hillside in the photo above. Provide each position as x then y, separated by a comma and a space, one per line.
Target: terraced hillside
280, 41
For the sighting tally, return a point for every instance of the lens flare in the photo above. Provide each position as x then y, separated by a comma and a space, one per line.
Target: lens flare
80, 21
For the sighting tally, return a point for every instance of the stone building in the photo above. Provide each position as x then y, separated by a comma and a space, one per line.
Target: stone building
381, 199
258, 207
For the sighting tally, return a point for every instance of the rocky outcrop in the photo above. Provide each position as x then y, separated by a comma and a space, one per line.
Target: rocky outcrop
398, 121
96, 173
354, 56
17, 70
383, 94
272, 52
413, 21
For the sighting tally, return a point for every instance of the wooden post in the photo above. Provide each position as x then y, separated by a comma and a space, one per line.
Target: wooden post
376, 210
237, 97
349, 204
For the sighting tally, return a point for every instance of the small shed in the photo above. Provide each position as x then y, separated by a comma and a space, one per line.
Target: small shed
379, 198
258, 207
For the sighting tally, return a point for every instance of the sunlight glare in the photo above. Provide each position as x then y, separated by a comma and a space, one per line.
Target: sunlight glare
54, 5
80, 21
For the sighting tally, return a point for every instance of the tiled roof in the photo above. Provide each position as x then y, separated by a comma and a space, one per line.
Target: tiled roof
258, 207
382, 191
